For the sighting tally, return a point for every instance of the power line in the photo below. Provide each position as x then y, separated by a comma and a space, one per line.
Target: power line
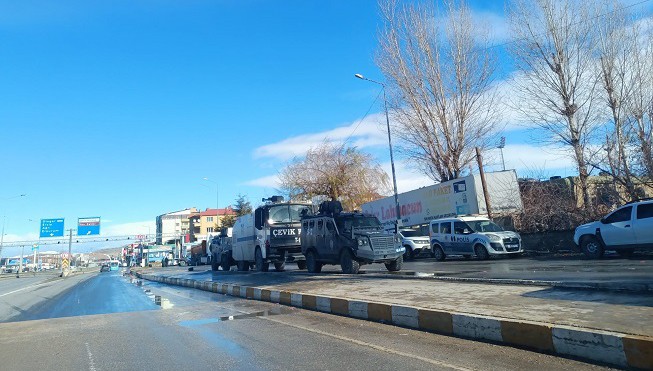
364, 117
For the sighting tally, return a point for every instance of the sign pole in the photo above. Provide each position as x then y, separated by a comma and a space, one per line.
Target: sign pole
70, 242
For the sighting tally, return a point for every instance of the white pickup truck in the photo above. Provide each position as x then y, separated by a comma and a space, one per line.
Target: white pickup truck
623, 230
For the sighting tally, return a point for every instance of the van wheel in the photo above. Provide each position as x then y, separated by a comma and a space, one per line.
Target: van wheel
438, 253
280, 267
592, 247
347, 262
225, 262
312, 265
301, 264
259, 264
481, 252
395, 265
243, 266
408, 254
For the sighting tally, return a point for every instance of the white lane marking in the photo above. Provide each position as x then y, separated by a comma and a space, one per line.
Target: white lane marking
24, 288
91, 362
373, 346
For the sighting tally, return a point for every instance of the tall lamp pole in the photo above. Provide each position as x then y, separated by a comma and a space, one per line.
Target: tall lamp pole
501, 146
392, 160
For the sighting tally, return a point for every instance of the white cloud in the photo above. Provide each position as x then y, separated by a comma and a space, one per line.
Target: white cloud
493, 26
266, 181
407, 177
362, 134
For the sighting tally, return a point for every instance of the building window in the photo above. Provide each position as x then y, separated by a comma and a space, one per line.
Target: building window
209, 218
209, 229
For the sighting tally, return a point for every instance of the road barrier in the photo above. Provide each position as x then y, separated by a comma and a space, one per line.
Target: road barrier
617, 349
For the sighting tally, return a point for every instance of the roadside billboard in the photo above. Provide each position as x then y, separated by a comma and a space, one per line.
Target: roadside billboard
461, 196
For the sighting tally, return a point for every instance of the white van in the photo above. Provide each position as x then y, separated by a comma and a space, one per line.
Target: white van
472, 235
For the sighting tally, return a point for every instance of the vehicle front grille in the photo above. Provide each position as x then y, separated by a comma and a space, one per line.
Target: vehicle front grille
383, 245
511, 241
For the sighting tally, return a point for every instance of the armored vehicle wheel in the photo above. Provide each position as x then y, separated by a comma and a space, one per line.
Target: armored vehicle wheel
311, 263
481, 252
395, 265
438, 253
260, 264
225, 262
280, 267
301, 264
347, 262
243, 266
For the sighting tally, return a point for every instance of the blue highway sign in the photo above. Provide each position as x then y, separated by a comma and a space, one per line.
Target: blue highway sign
51, 228
88, 226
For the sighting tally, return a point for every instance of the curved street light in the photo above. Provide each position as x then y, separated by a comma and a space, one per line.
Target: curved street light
392, 160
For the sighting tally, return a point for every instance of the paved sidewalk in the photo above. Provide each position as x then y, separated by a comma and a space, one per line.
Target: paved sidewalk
625, 313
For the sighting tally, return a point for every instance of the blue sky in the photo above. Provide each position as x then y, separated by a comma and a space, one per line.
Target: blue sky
119, 109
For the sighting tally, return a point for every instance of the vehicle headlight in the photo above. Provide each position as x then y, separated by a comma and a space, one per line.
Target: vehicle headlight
493, 237
397, 239
362, 241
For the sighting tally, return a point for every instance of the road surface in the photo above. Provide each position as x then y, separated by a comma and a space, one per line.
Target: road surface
145, 325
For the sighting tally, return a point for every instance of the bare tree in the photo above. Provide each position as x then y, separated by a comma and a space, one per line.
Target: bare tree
339, 172
556, 88
640, 104
440, 82
614, 49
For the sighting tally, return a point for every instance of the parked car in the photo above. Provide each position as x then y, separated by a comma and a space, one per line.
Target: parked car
415, 242
472, 235
623, 230
105, 268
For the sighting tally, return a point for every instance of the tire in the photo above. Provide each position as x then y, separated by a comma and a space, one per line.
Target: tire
301, 264
626, 253
409, 254
438, 253
280, 266
481, 252
182, 263
312, 265
591, 247
243, 266
225, 262
347, 262
215, 265
260, 265
395, 265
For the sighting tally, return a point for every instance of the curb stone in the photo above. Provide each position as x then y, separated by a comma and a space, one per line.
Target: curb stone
606, 347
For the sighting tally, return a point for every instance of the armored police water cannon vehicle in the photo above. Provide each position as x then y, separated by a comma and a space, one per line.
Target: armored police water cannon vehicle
350, 239
271, 234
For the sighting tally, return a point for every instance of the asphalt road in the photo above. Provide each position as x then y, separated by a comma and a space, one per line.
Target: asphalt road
192, 329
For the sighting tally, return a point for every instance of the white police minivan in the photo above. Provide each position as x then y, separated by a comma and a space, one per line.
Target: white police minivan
472, 235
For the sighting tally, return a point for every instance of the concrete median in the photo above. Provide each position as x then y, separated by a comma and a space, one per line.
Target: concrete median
605, 347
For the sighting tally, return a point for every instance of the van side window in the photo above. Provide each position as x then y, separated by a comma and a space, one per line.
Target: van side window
435, 227
445, 228
311, 224
305, 224
320, 223
330, 227
460, 227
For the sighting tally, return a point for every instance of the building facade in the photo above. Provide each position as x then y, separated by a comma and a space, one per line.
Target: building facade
174, 225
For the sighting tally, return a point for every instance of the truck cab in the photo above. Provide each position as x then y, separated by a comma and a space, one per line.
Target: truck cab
269, 235
221, 250
350, 239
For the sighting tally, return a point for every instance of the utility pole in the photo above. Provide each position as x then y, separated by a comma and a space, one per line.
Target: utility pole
20, 266
483, 183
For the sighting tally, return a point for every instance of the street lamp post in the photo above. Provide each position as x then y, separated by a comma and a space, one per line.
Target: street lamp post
501, 146
392, 160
